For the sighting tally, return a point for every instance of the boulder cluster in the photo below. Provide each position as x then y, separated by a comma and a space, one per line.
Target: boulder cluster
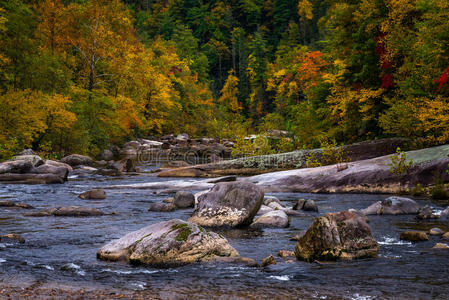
175, 148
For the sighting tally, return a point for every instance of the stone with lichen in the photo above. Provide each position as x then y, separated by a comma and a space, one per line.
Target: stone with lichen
166, 244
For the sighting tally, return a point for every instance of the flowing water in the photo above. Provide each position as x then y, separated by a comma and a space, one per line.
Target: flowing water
62, 250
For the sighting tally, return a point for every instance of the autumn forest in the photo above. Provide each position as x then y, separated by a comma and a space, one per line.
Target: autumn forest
76, 76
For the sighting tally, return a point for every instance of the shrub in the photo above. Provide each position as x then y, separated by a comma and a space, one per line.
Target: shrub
399, 163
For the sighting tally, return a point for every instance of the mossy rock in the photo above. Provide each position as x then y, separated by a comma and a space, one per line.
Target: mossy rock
167, 244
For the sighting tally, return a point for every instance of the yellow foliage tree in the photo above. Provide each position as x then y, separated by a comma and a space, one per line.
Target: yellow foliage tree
26, 116
229, 94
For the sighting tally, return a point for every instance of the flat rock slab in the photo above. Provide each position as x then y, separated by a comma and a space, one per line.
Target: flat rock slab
166, 244
69, 211
9, 203
229, 204
364, 176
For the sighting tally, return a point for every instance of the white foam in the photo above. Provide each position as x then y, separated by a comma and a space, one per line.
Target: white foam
2, 260
139, 285
392, 241
124, 272
361, 297
391, 256
76, 268
281, 278
72, 176
49, 267
437, 212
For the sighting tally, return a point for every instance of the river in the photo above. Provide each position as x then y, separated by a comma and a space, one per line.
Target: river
62, 250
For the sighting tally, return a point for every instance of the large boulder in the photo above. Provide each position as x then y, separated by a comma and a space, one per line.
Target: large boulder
77, 159
343, 235
62, 171
16, 167
58, 164
272, 219
230, 204
31, 178
392, 206
184, 199
165, 244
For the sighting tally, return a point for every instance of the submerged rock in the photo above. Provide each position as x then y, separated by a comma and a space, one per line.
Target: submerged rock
184, 200
9, 203
168, 200
165, 244
230, 178
414, 236
268, 261
392, 206
436, 231
344, 235
426, 213
230, 204
68, 211
12, 237
249, 262
286, 254
445, 214
446, 236
440, 246
162, 207
310, 205
93, 194
306, 205
272, 219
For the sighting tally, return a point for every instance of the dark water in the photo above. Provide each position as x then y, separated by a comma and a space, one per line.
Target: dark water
63, 250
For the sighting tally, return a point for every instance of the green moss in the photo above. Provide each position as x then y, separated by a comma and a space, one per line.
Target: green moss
184, 234
138, 241
179, 226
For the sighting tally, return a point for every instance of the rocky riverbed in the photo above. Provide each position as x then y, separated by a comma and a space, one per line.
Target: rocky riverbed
59, 253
